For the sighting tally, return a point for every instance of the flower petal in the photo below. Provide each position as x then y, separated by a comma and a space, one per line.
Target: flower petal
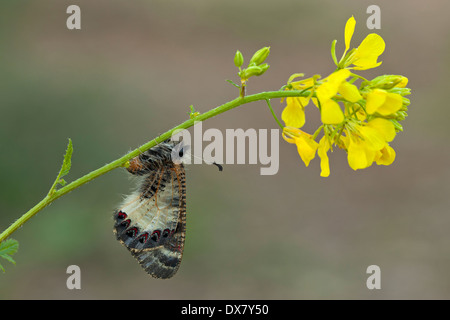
306, 148
372, 138
339, 76
374, 100
289, 134
392, 104
322, 150
350, 92
385, 156
368, 65
331, 112
359, 157
367, 53
385, 127
349, 30
328, 89
293, 114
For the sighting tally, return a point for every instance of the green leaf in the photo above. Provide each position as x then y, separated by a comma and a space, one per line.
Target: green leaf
65, 168
7, 249
234, 84
193, 114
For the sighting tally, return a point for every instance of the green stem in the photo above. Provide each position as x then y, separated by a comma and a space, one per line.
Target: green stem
274, 115
52, 196
317, 132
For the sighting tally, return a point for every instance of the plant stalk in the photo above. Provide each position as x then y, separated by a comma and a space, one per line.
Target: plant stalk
52, 196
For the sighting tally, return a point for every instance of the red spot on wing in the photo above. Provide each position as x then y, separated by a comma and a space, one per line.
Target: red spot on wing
122, 215
125, 223
156, 233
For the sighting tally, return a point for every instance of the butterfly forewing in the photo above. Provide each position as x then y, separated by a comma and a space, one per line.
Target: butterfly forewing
151, 222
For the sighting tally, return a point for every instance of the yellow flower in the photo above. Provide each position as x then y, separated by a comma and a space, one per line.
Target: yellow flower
365, 56
336, 83
383, 102
359, 155
362, 119
306, 146
324, 146
293, 114
371, 144
385, 156
302, 85
331, 112
331, 85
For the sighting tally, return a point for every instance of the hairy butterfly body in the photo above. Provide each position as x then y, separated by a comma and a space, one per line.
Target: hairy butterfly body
151, 222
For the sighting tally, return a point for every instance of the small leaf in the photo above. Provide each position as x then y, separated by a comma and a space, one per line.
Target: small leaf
193, 114
67, 160
65, 168
7, 249
8, 258
234, 84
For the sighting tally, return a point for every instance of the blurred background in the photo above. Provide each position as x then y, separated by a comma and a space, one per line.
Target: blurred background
131, 73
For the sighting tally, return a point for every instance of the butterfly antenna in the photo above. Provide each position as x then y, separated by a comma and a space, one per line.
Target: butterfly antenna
214, 163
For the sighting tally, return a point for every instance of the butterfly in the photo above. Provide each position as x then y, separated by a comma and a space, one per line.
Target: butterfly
151, 222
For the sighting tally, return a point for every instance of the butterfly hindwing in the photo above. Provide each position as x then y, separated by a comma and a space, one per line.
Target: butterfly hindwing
151, 222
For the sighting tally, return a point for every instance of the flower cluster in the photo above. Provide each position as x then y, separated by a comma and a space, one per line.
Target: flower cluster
362, 119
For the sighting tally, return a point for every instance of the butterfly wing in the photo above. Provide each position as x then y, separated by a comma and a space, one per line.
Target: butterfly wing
151, 223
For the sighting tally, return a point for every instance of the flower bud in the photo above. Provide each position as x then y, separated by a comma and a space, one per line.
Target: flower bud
386, 82
255, 70
259, 56
400, 115
238, 59
406, 102
403, 82
264, 67
398, 127
252, 71
401, 91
